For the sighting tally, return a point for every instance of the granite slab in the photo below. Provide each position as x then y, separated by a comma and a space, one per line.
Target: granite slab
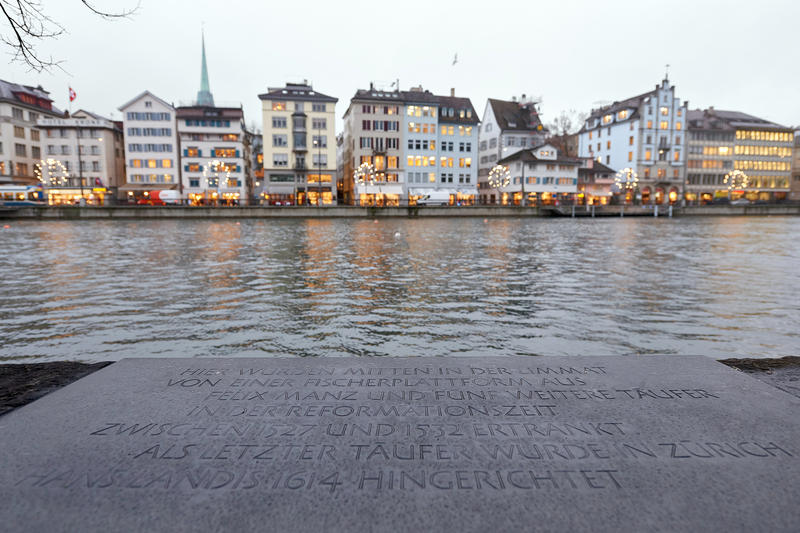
657, 443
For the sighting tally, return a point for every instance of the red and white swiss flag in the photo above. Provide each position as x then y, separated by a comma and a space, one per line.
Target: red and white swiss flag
72, 94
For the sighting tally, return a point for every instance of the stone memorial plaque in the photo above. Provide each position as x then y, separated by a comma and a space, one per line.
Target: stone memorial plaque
405, 444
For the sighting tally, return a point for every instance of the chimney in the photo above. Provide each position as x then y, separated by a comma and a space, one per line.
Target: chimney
371, 86
452, 91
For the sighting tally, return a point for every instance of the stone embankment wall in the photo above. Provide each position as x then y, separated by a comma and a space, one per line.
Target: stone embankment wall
145, 212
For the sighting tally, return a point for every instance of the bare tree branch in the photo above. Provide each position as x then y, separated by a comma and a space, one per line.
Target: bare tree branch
107, 15
30, 25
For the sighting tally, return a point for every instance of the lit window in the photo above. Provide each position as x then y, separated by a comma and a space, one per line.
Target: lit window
410, 161
678, 125
648, 155
630, 140
630, 156
622, 115
664, 125
649, 124
665, 111
278, 106
166, 163
607, 119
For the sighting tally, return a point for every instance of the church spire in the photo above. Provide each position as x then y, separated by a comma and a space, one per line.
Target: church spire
204, 96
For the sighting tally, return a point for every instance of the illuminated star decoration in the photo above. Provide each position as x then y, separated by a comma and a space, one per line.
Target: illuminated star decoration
736, 180
365, 173
215, 166
499, 176
55, 170
626, 179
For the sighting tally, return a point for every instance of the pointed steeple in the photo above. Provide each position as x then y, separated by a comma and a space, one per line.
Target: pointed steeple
204, 96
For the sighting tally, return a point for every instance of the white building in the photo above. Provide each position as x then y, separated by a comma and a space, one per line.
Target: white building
646, 133
373, 135
21, 107
213, 155
506, 128
539, 175
151, 146
83, 158
299, 146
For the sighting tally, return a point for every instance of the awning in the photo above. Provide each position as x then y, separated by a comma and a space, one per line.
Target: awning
380, 189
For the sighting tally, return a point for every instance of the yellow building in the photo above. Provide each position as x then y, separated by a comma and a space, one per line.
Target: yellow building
299, 146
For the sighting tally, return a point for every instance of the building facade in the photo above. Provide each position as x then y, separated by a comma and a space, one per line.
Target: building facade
595, 183
645, 133
372, 135
151, 147
507, 127
537, 176
721, 143
416, 142
299, 146
21, 107
84, 159
794, 192
213, 154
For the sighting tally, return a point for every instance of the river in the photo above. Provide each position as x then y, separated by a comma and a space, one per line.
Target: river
103, 290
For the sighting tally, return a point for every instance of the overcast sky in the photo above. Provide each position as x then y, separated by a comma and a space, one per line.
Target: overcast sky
573, 53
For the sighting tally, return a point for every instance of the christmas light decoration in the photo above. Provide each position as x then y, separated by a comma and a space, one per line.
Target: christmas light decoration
499, 176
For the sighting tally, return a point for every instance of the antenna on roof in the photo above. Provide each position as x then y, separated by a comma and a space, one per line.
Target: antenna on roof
666, 74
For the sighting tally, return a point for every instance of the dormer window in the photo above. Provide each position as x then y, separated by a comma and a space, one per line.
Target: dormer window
607, 118
622, 115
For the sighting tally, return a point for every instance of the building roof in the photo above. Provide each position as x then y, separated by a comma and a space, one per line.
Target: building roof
204, 96
26, 95
201, 111
717, 119
421, 96
142, 95
528, 156
95, 116
296, 91
515, 116
628, 103
597, 168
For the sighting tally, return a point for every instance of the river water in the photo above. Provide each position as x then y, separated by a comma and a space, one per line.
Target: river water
104, 290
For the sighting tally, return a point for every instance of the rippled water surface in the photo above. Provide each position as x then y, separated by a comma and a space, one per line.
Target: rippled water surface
103, 290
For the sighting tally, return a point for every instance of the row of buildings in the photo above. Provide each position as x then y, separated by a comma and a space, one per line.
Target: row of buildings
395, 148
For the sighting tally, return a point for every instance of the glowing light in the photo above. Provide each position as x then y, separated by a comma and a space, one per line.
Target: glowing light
51, 172
499, 177
626, 179
736, 180
365, 173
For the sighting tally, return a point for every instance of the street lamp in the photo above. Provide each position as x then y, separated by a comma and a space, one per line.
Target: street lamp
216, 166
364, 174
736, 180
627, 180
499, 177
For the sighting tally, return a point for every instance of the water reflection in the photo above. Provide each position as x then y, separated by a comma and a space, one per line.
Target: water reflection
104, 290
